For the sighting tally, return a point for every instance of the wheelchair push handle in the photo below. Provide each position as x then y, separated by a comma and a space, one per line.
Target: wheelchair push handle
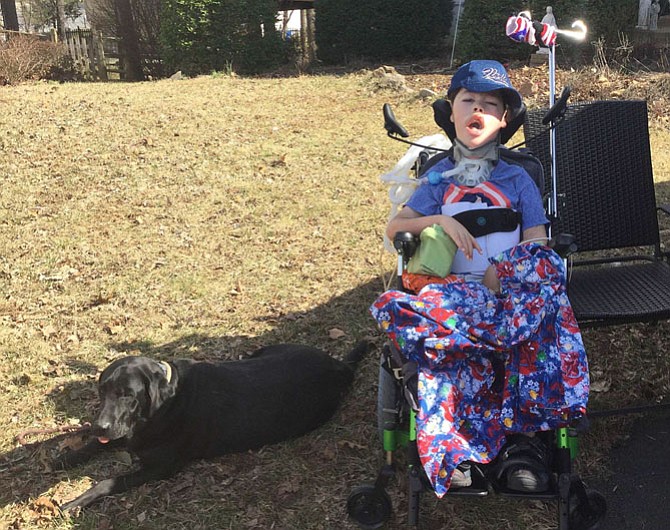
557, 110
391, 124
397, 132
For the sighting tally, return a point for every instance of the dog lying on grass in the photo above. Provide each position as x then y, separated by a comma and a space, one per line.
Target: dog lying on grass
168, 414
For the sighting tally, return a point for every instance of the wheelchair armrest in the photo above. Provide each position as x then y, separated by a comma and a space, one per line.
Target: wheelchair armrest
564, 244
405, 244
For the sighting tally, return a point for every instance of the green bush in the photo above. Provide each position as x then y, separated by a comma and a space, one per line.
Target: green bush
481, 31
200, 36
380, 29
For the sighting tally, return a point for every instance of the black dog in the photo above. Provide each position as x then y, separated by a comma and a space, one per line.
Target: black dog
168, 414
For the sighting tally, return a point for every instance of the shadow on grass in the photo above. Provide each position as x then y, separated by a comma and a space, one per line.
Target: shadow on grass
347, 312
25, 472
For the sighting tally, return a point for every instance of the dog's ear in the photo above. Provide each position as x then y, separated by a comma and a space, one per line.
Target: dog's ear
160, 389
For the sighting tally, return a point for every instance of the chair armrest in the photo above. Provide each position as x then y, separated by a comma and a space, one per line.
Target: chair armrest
665, 208
405, 244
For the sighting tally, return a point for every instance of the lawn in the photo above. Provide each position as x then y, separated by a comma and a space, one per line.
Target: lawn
203, 218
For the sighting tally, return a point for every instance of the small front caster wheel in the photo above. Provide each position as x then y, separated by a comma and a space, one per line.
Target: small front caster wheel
369, 506
587, 515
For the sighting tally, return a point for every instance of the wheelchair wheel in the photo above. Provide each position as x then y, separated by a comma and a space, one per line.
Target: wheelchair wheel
369, 506
587, 515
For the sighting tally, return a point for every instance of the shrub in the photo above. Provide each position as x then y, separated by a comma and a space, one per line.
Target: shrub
199, 36
26, 57
481, 31
380, 29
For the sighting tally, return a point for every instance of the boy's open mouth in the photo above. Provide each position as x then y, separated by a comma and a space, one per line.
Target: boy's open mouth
476, 122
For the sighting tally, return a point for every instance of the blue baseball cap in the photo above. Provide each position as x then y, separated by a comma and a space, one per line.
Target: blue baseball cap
485, 76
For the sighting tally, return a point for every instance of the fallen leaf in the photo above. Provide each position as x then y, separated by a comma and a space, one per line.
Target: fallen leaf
328, 453
281, 161
48, 331
113, 330
350, 444
287, 487
104, 524
336, 333
44, 507
600, 386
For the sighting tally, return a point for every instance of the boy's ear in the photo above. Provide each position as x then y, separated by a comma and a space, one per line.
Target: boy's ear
443, 117
513, 121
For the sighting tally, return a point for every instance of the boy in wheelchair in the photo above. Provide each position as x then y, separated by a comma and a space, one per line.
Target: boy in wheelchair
482, 102
497, 347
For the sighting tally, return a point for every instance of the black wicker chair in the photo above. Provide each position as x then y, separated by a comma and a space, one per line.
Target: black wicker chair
606, 200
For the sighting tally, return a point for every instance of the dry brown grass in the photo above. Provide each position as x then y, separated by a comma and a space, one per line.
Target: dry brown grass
203, 218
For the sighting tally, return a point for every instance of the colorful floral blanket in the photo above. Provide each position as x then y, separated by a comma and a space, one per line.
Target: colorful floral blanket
461, 335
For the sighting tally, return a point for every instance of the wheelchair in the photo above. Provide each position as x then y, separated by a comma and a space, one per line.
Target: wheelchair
369, 505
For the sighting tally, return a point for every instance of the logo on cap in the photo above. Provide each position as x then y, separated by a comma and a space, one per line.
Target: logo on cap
495, 75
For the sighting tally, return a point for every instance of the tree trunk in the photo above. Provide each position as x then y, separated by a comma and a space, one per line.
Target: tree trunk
11, 19
304, 43
130, 40
311, 40
307, 40
284, 22
60, 14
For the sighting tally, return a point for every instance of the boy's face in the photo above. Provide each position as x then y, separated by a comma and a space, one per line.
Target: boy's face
477, 116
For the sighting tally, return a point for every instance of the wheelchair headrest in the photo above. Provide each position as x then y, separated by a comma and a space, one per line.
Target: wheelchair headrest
442, 113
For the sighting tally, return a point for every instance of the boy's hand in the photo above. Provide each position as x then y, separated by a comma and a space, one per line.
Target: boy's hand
464, 240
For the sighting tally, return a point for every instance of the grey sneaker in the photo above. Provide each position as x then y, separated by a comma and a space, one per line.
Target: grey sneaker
462, 477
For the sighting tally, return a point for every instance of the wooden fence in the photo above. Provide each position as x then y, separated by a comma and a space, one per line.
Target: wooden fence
94, 56
101, 58
87, 50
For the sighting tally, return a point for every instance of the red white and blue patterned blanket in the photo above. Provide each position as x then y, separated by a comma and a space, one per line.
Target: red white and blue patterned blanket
461, 334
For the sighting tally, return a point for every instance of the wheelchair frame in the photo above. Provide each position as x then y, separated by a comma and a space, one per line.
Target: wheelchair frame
369, 504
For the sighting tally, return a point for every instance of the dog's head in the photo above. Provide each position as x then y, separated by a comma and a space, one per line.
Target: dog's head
131, 390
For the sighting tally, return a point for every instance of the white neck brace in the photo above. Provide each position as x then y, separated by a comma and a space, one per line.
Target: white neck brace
488, 151
473, 166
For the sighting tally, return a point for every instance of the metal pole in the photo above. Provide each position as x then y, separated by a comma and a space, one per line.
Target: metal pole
453, 44
553, 203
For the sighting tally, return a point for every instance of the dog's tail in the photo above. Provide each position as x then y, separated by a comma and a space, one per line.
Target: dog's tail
356, 355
